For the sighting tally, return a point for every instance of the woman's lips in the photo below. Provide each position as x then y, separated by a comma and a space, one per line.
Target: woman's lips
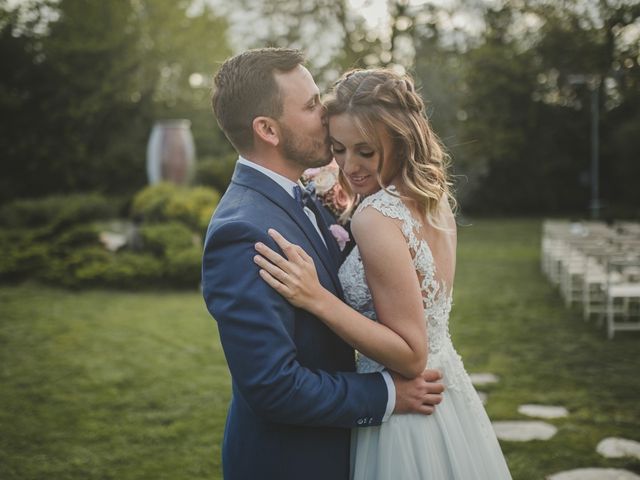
358, 179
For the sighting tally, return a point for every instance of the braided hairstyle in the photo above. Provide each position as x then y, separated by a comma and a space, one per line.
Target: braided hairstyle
382, 97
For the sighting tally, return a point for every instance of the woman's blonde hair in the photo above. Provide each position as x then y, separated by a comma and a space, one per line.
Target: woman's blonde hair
382, 97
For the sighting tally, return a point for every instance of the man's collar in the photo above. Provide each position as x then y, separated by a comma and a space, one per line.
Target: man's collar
284, 182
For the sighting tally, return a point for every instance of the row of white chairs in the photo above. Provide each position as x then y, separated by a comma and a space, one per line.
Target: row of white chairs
597, 267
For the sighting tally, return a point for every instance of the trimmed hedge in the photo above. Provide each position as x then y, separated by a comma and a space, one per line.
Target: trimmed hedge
75, 237
162, 238
184, 266
124, 270
58, 212
216, 172
22, 255
167, 202
57, 240
93, 266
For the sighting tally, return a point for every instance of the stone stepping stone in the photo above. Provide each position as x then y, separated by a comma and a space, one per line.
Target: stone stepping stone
594, 474
479, 379
517, 431
483, 397
543, 411
612, 447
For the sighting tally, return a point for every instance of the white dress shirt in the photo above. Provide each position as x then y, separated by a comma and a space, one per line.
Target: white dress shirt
288, 185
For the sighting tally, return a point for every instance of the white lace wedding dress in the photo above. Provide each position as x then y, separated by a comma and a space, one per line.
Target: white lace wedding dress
457, 441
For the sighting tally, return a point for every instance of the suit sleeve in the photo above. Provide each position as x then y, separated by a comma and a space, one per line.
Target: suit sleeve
256, 328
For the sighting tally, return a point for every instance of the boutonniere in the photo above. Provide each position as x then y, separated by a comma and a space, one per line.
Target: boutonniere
324, 182
340, 234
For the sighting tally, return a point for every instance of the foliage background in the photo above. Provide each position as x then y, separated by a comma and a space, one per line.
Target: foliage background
103, 384
115, 385
82, 83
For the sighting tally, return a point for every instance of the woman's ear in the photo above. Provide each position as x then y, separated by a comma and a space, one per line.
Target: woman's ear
267, 130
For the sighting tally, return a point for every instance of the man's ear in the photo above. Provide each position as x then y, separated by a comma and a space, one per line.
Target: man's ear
267, 130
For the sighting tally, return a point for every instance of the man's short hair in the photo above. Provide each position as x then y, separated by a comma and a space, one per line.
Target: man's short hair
245, 88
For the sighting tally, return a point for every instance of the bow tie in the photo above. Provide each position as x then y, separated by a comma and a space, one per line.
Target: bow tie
301, 196
310, 208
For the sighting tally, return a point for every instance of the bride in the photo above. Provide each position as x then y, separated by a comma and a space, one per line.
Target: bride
397, 281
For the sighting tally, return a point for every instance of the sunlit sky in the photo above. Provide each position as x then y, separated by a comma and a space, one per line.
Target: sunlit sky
376, 12
245, 23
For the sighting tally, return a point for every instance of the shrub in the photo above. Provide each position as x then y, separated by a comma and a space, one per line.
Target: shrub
161, 237
216, 172
165, 202
95, 267
29, 213
183, 267
63, 270
171, 257
62, 245
22, 255
76, 236
150, 202
58, 212
194, 207
124, 270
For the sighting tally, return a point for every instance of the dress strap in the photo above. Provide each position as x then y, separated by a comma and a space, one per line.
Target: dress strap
390, 204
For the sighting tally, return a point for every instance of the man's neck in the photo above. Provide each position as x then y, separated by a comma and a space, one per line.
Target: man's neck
276, 164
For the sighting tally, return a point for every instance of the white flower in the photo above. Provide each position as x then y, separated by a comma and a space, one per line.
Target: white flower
323, 178
324, 181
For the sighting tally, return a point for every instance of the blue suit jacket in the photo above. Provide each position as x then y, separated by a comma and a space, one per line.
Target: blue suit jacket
295, 393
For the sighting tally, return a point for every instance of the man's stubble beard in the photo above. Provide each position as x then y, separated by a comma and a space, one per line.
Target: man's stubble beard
318, 154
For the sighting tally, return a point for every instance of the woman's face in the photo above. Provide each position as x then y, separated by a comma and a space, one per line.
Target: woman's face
358, 159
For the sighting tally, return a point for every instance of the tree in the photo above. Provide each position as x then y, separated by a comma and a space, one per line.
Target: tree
88, 86
602, 43
526, 140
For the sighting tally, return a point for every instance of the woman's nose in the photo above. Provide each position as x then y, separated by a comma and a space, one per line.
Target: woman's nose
348, 165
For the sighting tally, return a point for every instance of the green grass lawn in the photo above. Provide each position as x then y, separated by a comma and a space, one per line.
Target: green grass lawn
508, 320
103, 385
112, 385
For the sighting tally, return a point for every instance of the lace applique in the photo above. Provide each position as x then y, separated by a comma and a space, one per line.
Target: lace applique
437, 299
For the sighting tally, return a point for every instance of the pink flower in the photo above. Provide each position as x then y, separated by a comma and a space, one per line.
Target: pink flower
340, 234
340, 198
327, 188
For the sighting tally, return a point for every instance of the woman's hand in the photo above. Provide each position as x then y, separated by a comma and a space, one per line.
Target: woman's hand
295, 278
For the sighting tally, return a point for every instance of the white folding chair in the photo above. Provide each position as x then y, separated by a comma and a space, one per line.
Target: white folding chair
623, 298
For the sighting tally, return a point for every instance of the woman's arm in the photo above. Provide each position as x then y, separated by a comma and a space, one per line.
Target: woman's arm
399, 341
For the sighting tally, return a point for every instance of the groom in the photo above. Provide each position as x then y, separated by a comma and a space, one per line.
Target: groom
295, 391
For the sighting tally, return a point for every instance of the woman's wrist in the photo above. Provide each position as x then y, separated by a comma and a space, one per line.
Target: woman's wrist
322, 307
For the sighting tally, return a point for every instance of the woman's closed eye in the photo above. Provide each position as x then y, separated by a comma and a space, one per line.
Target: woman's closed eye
338, 150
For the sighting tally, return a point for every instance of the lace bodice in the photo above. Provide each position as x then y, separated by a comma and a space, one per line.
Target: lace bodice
437, 297
437, 300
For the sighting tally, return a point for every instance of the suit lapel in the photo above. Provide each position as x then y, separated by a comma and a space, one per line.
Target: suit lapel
255, 180
332, 244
